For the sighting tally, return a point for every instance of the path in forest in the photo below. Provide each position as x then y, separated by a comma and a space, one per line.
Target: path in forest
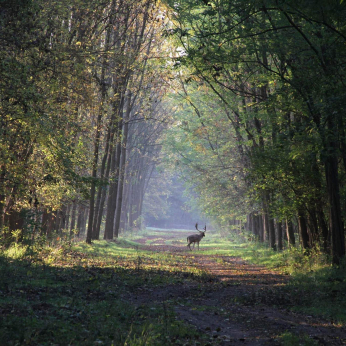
243, 304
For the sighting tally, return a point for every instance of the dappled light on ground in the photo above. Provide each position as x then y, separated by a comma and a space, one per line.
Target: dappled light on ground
153, 286
238, 303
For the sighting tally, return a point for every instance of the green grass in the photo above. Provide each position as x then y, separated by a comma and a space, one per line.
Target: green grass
289, 339
76, 293
316, 288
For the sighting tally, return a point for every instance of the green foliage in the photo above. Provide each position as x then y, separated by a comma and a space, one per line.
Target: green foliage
262, 113
199, 148
40, 81
289, 339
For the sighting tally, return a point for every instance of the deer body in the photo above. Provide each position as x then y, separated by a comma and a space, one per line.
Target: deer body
196, 238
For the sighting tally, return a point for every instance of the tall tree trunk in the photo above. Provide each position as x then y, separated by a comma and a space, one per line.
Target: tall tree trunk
113, 189
2, 199
73, 217
290, 233
272, 239
101, 190
335, 219
104, 190
265, 218
67, 216
303, 230
269, 222
97, 139
81, 211
122, 168
256, 226
279, 234
260, 227
324, 227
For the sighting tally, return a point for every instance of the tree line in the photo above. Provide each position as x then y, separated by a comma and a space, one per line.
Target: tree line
81, 115
261, 124
245, 99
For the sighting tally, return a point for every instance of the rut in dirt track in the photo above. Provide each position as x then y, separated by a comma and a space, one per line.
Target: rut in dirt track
243, 304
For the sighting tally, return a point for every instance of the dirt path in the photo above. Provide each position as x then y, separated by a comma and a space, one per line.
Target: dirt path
242, 305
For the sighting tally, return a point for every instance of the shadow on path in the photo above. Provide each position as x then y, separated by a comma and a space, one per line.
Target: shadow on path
243, 304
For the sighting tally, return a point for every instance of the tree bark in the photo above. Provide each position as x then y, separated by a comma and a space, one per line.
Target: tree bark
122, 168
272, 240
113, 189
73, 217
279, 234
335, 219
290, 233
97, 140
303, 230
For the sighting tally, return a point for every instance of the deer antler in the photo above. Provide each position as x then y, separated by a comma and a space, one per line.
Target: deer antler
205, 228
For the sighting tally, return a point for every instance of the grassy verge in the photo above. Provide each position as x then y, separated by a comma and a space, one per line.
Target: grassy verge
316, 288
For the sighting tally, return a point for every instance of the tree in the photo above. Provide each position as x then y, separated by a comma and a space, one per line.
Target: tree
276, 71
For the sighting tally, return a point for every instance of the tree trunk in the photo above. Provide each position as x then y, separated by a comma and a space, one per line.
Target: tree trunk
272, 240
279, 234
101, 195
113, 189
303, 230
269, 223
260, 227
102, 199
265, 226
2, 200
73, 217
290, 233
335, 219
81, 211
67, 217
324, 228
97, 139
122, 169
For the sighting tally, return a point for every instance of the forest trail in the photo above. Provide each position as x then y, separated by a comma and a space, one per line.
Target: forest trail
238, 303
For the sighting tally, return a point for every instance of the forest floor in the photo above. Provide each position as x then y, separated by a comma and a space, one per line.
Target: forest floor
238, 303
150, 289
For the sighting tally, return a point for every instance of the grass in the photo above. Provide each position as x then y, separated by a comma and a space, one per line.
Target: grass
77, 294
289, 339
74, 295
316, 288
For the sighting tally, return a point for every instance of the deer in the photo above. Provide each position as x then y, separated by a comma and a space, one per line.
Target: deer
196, 238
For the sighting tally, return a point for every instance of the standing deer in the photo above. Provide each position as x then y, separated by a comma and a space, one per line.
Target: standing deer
196, 238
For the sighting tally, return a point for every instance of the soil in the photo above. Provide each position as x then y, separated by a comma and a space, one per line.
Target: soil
238, 303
